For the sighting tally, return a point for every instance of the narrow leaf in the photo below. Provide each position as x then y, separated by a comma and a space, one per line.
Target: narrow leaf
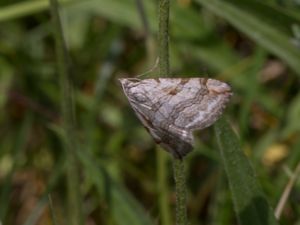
250, 204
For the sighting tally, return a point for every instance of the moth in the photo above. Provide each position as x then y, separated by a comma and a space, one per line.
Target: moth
172, 108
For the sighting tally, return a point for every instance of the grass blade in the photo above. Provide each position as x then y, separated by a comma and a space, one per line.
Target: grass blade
68, 115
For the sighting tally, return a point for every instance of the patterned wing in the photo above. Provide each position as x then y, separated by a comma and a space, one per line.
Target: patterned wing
171, 109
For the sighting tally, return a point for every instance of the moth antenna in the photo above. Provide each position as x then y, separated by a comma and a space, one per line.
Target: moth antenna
151, 69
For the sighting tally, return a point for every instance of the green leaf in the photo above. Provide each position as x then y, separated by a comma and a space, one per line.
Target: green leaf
253, 18
250, 204
24, 8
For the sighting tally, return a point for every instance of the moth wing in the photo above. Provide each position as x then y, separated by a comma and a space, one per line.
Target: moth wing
175, 140
204, 113
170, 109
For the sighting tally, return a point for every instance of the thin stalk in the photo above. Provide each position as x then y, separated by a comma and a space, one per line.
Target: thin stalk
68, 117
162, 160
163, 190
179, 175
163, 37
163, 49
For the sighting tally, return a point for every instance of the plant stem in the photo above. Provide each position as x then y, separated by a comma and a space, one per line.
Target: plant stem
179, 176
163, 190
68, 117
163, 48
163, 37
162, 160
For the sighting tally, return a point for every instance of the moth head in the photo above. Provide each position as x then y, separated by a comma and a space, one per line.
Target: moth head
218, 86
132, 91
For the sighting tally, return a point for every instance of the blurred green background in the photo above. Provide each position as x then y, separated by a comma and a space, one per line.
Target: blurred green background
252, 45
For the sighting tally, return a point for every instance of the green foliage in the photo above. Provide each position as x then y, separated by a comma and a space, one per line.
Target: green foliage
256, 20
252, 45
250, 204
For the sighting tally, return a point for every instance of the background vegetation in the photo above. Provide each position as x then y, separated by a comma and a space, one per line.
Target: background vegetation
252, 45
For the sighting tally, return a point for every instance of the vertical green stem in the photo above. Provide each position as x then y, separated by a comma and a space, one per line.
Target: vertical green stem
68, 117
163, 37
163, 50
163, 190
179, 175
